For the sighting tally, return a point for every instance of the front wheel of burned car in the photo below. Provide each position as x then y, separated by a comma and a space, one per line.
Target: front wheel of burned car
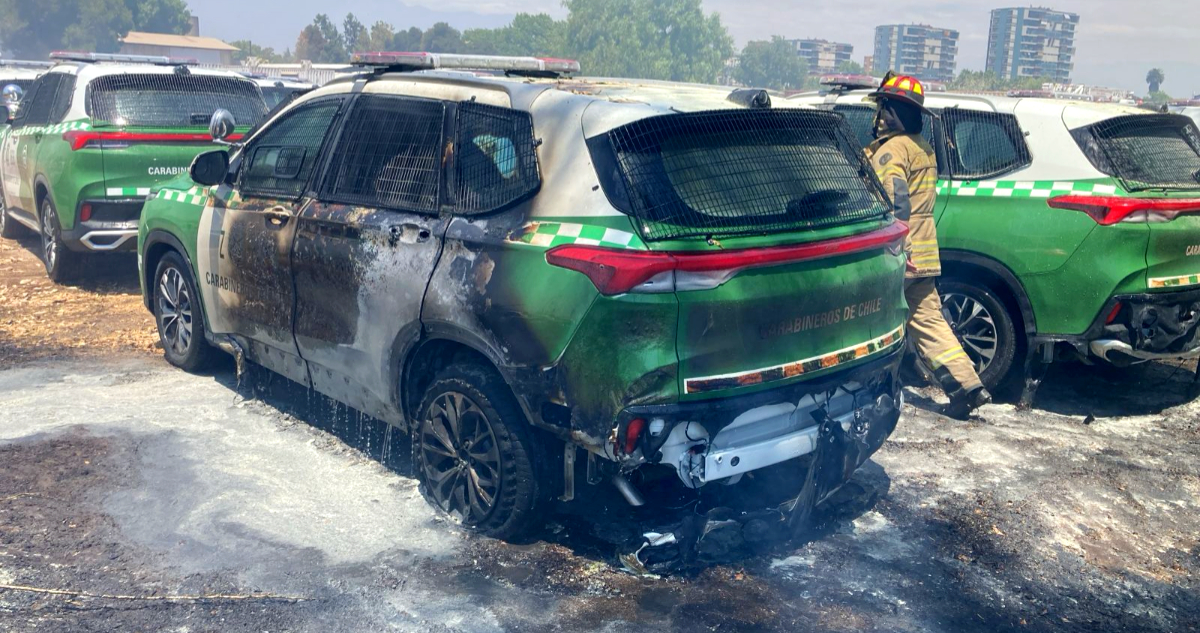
177, 313
60, 262
475, 455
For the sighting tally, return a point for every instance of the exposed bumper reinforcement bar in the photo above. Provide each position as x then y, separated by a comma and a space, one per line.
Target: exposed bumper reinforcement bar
1104, 347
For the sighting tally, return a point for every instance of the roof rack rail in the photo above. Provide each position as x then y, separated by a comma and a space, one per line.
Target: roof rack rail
24, 63
521, 66
91, 58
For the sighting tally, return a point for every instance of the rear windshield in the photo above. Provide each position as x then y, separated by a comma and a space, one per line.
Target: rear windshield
736, 172
1145, 151
172, 100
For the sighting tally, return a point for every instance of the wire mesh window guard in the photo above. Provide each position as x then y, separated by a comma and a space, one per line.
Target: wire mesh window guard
1145, 151
37, 107
495, 161
390, 154
982, 145
172, 99
281, 159
737, 172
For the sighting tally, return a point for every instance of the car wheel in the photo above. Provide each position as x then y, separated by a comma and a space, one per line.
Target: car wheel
475, 453
9, 228
177, 313
984, 327
60, 263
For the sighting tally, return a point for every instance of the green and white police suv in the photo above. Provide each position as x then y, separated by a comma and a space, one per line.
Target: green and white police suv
1069, 230
93, 136
652, 282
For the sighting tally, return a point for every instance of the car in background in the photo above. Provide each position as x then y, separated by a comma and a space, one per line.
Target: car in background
15, 78
277, 90
95, 134
685, 284
1068, 229
1192, 110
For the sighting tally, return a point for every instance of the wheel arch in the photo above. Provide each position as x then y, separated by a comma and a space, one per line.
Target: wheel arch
967, 266
156, 246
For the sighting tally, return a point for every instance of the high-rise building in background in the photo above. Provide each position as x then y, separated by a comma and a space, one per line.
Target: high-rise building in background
1032, 42
926, 52
822, 56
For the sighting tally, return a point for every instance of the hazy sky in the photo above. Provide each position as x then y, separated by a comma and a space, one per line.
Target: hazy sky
1118, 41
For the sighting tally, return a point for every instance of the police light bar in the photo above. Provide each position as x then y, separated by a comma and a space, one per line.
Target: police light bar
75, 56
24, 63
440, 61
850, 82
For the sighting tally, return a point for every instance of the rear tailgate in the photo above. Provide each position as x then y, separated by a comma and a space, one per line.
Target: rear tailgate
150, 126
788, 262
1156, 158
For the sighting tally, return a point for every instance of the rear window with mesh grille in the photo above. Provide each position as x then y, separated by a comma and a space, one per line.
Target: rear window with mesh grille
172, 100
390, 154
495, 162
737, 172
1145, 151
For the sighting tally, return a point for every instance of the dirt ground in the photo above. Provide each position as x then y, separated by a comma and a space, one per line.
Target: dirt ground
193, 503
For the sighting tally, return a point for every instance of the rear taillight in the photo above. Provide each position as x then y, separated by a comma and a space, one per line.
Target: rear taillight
616, 271
633, 433
91, 139
1109, 210
85, 212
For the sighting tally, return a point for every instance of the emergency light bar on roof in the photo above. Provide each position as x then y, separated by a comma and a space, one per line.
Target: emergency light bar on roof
74, 56
439, 61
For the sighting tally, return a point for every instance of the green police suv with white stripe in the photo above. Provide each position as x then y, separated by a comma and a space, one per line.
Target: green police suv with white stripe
1067, 228
95, 134
548, 281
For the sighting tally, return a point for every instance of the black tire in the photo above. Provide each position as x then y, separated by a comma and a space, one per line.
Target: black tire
452, 475
61, 263
176, 307
9, 228
978, 316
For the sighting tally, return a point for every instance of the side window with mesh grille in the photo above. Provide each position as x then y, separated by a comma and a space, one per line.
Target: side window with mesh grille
37, 107
862, 120
389, 155
983, 144
280, 161
495, 163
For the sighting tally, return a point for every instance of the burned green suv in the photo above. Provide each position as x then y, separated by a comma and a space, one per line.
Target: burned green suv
542, 274
94, 134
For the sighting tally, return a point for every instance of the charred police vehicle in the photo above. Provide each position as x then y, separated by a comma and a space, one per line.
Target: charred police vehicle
537, 274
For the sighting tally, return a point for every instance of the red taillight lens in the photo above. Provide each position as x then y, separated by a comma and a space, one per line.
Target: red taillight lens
616, 271
1109, 210
79, 139
633, 432
85, 212
1112, 315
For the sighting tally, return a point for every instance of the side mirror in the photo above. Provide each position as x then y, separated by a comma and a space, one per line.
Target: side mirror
210, 168
221, 125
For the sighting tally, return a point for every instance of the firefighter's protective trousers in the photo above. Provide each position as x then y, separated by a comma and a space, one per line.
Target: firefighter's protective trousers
907, 167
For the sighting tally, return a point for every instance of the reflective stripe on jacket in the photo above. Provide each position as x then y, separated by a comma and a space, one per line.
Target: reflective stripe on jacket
907, 166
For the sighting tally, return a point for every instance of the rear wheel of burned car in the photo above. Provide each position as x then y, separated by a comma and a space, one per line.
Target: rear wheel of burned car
475, 453
60, 262
177, 313
983, 326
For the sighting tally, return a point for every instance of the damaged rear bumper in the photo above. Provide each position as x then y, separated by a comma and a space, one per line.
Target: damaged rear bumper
1144, 327
848, 414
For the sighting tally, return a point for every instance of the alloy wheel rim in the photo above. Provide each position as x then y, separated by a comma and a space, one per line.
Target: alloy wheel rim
174, 311
460, 457
975, 327
49, 239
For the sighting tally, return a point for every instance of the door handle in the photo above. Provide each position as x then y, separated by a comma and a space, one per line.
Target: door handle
277, 217
410, 233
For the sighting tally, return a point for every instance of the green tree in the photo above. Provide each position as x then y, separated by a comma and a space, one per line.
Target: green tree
354, 34
32, 28
772, 64
320, 42
1155, 78
851, 67
539, 35
442, 38
653, 39
246, 49
381, 36
407, 41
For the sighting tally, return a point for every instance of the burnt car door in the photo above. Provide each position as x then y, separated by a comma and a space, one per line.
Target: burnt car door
365, 249
245, 239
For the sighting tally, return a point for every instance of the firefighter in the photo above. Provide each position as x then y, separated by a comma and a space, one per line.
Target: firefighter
907, 167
